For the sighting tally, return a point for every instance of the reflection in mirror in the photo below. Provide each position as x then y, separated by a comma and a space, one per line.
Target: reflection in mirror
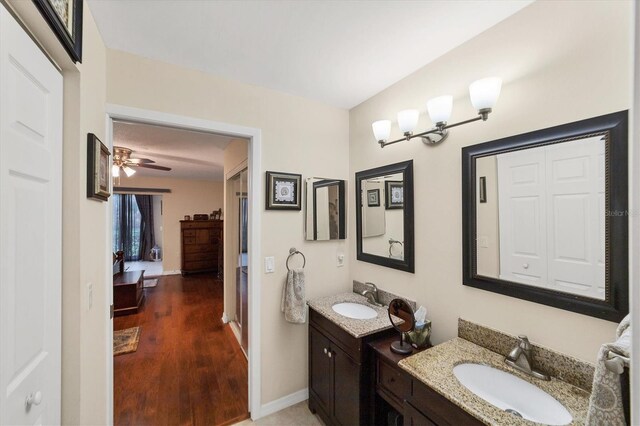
545, 216
325, 209
384, 216
540, 216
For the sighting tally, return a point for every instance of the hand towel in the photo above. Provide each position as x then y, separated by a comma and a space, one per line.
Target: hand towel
605, 405
293, 300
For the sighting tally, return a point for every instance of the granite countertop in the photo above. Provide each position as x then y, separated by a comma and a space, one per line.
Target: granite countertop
434, 367
355, 327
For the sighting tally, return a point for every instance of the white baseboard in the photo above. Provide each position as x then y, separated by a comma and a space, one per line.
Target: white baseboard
282, 403
175, 272
225, 318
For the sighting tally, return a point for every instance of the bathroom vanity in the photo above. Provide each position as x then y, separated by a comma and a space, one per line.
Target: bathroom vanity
340, 369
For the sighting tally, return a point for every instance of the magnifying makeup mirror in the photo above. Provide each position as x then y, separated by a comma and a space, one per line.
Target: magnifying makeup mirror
401, 310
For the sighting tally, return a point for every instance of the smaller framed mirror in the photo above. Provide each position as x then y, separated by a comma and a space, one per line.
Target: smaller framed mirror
402, 318
384, 216
325, 209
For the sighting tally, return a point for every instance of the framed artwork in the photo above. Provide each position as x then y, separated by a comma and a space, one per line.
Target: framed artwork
394, 194
98, 169
65, 19
283, 191
373, 198
483, 189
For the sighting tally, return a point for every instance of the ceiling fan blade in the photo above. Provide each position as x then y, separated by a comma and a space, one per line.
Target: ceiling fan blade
151, 166
140, 160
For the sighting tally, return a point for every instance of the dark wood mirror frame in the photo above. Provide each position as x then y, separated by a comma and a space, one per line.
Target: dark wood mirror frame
406, 264
616, 304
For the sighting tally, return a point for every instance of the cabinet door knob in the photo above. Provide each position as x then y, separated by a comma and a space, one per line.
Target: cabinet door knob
329, 354
525, 266
325, 350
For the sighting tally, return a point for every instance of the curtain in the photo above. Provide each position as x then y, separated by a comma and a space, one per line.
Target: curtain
127, 227
147, 235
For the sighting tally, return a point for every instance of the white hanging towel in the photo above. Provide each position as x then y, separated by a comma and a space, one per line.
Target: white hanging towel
293, 299
605, 404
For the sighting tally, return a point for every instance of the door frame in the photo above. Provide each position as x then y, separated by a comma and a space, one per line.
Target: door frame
253, 135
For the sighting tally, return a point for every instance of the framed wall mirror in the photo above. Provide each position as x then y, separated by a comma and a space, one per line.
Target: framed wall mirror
545, 216
325, 211
384, 216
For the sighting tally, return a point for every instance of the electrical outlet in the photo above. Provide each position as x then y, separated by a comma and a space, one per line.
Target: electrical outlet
89, 296
340, 260
269, 265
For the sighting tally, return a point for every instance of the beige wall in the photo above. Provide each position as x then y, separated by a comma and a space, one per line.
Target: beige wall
299, 136
561, 62
186, 198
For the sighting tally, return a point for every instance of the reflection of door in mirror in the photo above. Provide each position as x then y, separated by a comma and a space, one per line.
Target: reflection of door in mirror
543, 223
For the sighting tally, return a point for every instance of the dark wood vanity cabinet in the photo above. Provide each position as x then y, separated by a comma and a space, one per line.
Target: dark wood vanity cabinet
418, 404
340, 373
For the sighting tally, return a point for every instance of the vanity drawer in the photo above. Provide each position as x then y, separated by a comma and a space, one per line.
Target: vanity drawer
437, 408
393, 381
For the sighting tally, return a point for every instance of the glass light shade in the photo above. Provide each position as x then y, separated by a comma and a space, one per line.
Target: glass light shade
128, 171
408, 120
484, 93
115, 171
381, 129
440, 108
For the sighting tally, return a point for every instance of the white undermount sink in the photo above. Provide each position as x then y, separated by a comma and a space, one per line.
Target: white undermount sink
354, 310
512, 394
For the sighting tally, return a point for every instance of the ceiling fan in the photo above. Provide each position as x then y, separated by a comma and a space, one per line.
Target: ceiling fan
122, 161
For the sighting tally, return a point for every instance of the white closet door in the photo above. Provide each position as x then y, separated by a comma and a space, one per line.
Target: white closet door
576, 193
522, 206
30, 230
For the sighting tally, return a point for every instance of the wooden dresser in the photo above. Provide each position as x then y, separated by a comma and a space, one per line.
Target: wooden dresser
201, 245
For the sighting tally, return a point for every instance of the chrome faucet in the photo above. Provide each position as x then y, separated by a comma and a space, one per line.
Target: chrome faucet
521, 358
371, 294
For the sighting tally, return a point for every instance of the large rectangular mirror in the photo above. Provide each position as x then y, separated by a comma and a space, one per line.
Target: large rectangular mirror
325, 209
384, 216
545, 216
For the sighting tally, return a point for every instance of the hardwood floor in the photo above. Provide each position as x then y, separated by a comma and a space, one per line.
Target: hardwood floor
189, 368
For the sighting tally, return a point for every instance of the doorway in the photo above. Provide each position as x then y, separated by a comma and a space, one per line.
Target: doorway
254, 183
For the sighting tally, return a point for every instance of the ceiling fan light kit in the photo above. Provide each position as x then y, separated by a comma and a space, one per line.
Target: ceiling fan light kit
122, 161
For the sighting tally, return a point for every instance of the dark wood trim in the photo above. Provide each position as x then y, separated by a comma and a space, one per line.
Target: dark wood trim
615, 127
407, 264
130, 189
73, 45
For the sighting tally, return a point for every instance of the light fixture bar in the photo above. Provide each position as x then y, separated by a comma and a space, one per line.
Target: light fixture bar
438, 130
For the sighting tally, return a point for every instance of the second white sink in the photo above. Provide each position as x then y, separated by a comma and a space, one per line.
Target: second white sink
512, 394
354, 310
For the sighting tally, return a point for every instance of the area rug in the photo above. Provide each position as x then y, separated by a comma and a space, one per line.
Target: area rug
125, 341
152, 282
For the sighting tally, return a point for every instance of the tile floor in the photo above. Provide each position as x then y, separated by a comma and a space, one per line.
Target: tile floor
296, 415
151, 269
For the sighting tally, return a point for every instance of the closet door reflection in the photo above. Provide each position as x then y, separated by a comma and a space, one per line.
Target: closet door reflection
237, 215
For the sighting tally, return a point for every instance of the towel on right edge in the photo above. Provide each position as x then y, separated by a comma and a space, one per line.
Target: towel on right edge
605, 404
293, 297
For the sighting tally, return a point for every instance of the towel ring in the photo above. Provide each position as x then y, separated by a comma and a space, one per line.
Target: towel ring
391, 243
293, 251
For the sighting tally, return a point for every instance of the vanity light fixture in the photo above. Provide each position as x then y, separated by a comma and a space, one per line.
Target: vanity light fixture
483, 93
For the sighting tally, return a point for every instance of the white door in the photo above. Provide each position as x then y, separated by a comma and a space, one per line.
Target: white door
30, 230
576, 231
522, 216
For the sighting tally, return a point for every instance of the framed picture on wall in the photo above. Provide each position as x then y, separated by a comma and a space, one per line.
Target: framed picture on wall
98, 169
373, 198
394, 194
283, 191
65, 19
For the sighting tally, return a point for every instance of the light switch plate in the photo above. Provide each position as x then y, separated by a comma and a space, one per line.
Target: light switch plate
340, 259
89, 296
269, 265
484, 242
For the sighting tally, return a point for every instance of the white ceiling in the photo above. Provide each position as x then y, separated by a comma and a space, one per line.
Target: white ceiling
191, 155
337, 52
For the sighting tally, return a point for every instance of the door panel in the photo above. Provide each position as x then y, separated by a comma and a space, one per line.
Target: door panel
321, 377
30, 229
346, 387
